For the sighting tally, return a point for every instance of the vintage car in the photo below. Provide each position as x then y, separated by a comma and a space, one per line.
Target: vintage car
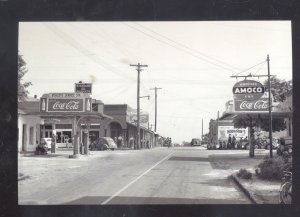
285, 146
47, 141
103, 143
195, 142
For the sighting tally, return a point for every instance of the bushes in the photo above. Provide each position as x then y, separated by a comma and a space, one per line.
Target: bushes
244, 174
272, 168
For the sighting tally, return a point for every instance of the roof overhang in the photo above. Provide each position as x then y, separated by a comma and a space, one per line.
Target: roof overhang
74, 114
261, 115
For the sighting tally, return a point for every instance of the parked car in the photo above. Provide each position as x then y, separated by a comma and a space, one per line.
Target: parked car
212, 146
285, 146
103, 143
275, 143
47, 141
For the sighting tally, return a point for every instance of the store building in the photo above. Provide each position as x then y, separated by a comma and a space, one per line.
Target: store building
219, 130
29, 123
124, 124
60, 112
66, 114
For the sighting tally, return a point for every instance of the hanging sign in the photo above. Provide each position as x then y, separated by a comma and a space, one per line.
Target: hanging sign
258, 105
248, 90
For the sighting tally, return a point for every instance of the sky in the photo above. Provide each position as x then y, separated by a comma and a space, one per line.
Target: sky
191, 61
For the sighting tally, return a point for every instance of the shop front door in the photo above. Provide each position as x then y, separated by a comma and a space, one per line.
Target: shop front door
62, 137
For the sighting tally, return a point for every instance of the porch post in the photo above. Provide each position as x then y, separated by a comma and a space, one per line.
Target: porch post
75, 138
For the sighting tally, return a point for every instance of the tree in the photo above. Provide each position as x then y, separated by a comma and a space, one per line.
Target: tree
278, 124
22, 86
281, 89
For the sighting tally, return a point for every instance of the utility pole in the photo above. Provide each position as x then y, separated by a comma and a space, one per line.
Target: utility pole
155, 89
218, 129
270, 109
202, 131
138, 68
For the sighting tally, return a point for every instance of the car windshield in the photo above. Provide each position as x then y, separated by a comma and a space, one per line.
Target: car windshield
110, 141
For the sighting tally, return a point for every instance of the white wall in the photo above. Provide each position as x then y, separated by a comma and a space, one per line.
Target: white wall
30, 121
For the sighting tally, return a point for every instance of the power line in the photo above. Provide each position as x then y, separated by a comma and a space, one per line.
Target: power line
188, 48
236, 74
258, 70
190, 53
83, 50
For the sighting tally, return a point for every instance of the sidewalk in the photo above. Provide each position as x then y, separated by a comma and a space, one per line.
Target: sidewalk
259, 191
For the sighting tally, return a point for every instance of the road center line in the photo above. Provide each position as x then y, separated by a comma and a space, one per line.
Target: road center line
125, 187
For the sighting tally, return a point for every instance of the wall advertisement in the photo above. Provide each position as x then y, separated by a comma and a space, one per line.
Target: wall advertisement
225, 131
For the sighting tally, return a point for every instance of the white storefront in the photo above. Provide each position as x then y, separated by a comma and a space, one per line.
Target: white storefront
29, 131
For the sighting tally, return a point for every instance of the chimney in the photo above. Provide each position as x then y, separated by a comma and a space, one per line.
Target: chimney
35, 96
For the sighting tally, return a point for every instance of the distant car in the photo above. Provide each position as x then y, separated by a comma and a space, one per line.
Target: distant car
103, 143
195, 142
48, 142
285, 146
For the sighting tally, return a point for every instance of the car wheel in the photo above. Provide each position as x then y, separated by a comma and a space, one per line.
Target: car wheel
104, 148
112, 149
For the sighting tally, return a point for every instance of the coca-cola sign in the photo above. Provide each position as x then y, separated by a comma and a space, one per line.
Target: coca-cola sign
248, 90
65, 105
254, 105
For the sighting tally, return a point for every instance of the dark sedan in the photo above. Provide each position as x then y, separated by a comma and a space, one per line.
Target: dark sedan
103, 143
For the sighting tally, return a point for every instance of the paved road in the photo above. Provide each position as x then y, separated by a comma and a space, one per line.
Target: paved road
186, 175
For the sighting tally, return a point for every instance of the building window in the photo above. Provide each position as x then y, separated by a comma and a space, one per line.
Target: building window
31, 130
48, 127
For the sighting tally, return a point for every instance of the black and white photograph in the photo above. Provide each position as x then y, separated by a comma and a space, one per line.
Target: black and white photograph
155, 113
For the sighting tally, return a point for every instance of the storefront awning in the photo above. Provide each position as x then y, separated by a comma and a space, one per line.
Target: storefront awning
263, 115
72, 114
142, 128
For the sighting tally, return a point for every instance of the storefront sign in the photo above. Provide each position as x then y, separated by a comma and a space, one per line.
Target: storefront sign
83, 88
65, 95
65, 105
248, 90
144, 119
66, 102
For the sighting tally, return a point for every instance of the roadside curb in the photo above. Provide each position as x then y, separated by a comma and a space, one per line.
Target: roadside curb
245, 191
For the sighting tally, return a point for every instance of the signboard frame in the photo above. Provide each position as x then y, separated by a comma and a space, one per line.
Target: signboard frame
248, 85
83, 88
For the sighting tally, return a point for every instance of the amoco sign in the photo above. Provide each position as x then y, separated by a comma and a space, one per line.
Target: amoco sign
248, 90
